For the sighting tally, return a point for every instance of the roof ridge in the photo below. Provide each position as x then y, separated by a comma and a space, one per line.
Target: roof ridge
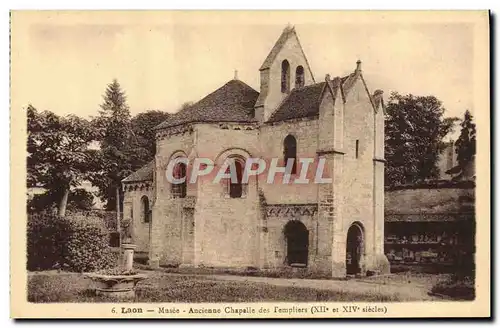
307, 86
241, 82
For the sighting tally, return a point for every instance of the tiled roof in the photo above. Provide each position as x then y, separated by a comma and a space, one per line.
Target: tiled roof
145, 173
233, 102
303, 102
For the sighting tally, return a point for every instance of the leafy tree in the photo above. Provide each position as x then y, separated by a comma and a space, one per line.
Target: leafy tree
78, 199
414, 129
465, 146
59, 156
143, 125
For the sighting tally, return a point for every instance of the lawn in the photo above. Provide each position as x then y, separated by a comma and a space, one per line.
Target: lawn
164, 287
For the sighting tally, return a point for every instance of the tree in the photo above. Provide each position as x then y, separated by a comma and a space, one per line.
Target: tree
118, 149
58, 153
143, 128
414, 129
78, 199
465, 146
114, 118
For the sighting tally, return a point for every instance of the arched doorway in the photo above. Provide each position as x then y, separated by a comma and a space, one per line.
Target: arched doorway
354, 250
297, 243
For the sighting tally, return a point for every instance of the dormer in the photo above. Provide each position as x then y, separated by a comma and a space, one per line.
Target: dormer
284, 69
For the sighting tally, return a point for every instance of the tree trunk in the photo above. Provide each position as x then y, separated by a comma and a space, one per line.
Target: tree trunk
63, 203
118, 224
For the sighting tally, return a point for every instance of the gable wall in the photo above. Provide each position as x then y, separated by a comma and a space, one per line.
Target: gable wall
271, 78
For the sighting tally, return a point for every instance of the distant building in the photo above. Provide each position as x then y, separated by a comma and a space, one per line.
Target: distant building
448, 165
447, 160
430, 224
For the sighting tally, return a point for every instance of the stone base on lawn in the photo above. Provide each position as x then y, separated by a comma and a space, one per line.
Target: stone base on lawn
117, 287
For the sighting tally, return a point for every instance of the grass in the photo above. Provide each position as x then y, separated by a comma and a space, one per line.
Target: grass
162, 287
457, 288
252, 272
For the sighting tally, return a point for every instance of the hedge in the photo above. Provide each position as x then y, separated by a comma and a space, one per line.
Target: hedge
77, 243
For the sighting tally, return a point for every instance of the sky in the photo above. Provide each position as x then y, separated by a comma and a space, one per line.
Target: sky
62, 62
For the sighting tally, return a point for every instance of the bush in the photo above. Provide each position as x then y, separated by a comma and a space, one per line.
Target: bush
77, 242
44, 242
87, 244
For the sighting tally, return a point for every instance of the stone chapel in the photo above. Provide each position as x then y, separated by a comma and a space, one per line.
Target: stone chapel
335, 228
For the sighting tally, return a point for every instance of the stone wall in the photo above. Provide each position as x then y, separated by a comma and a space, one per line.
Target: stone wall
133, 210
166, 230
422, 200
211, 229
271, 140
226, 229
360, 189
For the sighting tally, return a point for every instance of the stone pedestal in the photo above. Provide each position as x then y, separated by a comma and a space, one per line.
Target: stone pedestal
116, 286
128, 256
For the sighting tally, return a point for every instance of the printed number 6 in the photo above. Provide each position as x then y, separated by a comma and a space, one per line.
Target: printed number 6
113, 310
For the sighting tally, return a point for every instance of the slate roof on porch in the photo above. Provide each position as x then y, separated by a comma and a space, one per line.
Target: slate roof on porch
145, 173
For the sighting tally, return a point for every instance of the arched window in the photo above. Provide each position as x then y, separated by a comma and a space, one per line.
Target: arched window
299, 77
285, 76
236, 188
179, 189
290, 151
145, 213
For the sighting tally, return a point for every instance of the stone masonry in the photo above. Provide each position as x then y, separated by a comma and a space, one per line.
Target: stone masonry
335, 228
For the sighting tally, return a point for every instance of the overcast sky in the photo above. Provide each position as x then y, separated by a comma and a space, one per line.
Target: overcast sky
63, 62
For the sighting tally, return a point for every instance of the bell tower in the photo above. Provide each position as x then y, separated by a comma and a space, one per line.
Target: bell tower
285, 68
